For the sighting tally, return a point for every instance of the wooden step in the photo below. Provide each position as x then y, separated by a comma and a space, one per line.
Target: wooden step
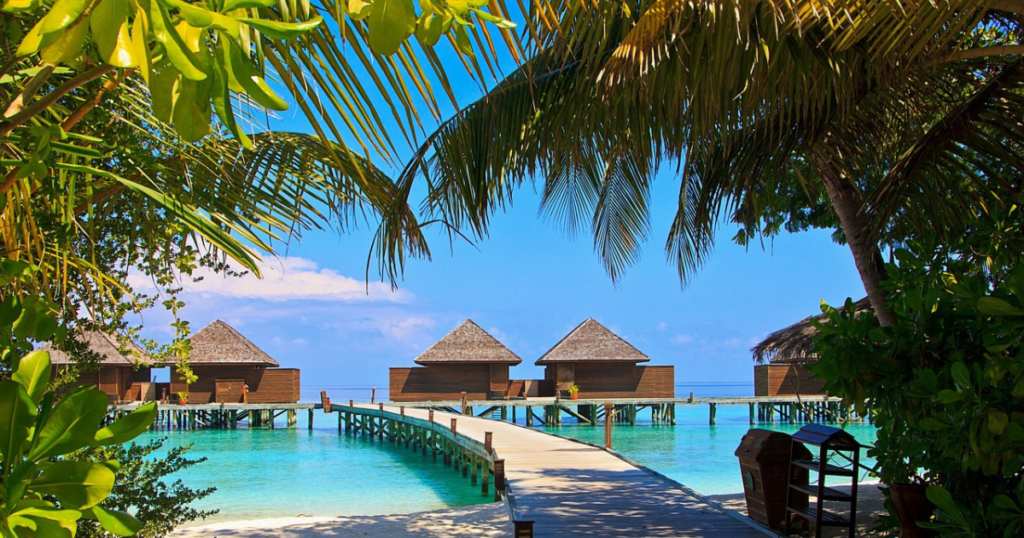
828, 469
828, 519
830, 494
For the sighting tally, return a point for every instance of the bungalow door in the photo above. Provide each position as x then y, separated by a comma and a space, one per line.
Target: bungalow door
565, 376
499, 380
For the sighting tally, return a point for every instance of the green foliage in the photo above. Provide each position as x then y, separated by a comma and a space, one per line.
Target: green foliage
945, 383
144, 489
44, 494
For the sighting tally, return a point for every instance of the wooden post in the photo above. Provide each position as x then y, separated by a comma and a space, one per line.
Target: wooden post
499, 479
608, 425
381, 408
351, 403
529, 416
431, 415
712, 411
373, 394
463, 402
522, 528
690, 400
325, 402
488, 440
402, 410
310, 420
453, 426
752, 420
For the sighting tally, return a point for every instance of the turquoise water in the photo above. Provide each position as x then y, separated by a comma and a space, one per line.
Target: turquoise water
290, 471
287, 472
692, 452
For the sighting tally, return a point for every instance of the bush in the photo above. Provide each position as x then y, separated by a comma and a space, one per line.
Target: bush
944, 385
141, 488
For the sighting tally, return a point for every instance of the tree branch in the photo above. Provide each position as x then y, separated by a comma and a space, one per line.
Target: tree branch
30, 90
44, 103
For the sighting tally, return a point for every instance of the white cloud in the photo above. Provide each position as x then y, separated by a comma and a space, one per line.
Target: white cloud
662, 326
276, 341
299, 342
499, 335
402, 328
682, 339
285, 279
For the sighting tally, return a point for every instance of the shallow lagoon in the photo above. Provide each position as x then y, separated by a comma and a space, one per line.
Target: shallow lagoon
291, 471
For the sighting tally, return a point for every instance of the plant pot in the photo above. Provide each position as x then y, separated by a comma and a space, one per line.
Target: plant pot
182, 401
575, 396
910, 505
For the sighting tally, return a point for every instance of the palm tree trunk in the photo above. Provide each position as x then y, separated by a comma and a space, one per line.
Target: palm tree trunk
847, 202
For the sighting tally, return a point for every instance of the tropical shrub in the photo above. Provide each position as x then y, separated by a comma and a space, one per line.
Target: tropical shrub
142, 487
944, 384
44, 492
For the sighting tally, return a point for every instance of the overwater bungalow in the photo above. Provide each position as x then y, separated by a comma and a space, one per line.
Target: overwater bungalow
232, 369
783, 356
123, 374
468, 359
602, 365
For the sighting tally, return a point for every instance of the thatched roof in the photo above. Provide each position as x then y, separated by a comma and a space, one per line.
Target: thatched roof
592, 342
106, 345
468, 343
792, 345
220, 343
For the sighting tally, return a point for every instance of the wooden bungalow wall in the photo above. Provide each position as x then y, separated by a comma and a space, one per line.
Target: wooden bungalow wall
785, 379
266, 385
613, 380
443, 382
115, 381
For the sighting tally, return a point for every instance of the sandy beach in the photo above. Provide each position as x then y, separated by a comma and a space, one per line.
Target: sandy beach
485, 520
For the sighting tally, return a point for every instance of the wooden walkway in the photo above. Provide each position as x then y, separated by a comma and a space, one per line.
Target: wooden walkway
573, 489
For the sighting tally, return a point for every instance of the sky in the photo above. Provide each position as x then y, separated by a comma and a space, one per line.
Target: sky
527, 284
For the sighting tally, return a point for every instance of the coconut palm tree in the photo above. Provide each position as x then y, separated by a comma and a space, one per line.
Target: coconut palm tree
892, 111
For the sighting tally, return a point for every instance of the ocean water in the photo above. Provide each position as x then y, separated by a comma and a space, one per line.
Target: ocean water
285, 472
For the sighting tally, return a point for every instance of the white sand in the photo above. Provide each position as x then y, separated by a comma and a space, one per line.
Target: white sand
485, 520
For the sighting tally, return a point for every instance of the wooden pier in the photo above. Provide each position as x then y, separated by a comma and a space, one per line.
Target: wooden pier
551, 411
554, 486
222, 416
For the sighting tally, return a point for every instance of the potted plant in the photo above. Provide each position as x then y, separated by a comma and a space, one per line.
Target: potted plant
183, 397
574, 392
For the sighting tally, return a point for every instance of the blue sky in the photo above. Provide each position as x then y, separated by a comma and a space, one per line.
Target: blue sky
528, 284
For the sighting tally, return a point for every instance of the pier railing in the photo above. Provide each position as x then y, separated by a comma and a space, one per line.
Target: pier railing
475, 460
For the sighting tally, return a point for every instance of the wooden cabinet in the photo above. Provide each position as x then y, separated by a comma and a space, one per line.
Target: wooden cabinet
839, 456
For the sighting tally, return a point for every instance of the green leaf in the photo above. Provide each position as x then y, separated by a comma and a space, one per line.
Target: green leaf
246, 74
245, 4
283, 30
62, 14
65, 45
357, 9
164, 89
116, 522
997, 307
127, 427
997, 421
33, 373
960, 374
163, 30
109, 23
931, 424
462, 41
942, 499
192, 110
71, 425
389, 23
950, 396
194, 16
1003, 502
77, 484
17, 415
428, 29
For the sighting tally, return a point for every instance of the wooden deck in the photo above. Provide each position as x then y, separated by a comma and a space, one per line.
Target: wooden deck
570, 488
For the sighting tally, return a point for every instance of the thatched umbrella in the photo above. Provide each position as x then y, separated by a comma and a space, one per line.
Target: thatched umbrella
220, 343
794, 344
592, 342
468, 343
104, 345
